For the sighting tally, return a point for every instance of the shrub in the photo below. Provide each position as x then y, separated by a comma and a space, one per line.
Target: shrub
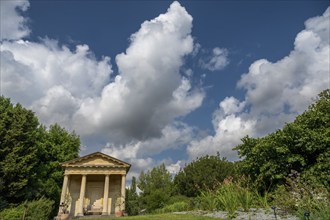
300, 196
175, 207
228, 198
262, 200
204, 173
34, 210
207, 200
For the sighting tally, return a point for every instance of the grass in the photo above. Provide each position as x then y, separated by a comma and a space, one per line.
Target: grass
159, 217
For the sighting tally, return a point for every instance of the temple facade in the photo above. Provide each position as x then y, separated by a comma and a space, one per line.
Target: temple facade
93, 185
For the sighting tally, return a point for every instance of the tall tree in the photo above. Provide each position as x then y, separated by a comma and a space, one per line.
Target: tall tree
156, 186
302, 146
205, 173
19, 143
57, 145
30, 155
132, 199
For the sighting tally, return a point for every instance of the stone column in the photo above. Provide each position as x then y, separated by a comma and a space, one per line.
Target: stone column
64, 189
105, 195
82, 195
123, 187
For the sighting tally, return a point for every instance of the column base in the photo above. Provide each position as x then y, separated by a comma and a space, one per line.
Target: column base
80, 215
105, 213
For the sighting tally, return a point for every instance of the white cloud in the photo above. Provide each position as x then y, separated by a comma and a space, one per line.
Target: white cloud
135, 111
140, 153
12, 24
217, 61
275, 92
231, 105
149, 92
172, 137
174, 168
50, 79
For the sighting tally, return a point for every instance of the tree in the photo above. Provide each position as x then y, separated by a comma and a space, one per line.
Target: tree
205, 173
19, 135
156, 186
132, 199
30, 155
302, 146
57, 146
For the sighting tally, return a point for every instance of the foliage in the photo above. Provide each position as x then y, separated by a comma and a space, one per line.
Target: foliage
34, 210
19, 135
302, 146
30, 156
174, 207
299, 196
57, 146
203, 174
156, 186
206, 201
132, 199
230, 196
160, 217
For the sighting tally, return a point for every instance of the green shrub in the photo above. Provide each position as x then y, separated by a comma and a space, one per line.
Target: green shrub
34, 210
262, 200
12, 213
323, 213
175, 207
178, 198
207, 200
299, 197
228, 198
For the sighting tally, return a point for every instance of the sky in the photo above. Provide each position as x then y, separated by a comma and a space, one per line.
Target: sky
152, 82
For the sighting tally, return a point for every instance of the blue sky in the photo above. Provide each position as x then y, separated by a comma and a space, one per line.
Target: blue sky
161, 81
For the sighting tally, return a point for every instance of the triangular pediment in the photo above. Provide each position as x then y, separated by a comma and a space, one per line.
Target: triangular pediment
96, 159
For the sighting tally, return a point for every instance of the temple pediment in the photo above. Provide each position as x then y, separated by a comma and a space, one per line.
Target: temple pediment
96, 160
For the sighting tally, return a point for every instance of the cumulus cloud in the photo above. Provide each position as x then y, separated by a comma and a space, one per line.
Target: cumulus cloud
173, 136
174, 168
50, 79
275, 92
135, 110
140, 153
216, 61
12, 23
149, 91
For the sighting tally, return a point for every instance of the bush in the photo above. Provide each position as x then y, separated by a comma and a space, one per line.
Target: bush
203, 174
302, 197
230, 196
207, 200
34, 210
175, 207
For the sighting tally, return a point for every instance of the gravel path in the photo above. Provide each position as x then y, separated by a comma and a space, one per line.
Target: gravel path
253, 214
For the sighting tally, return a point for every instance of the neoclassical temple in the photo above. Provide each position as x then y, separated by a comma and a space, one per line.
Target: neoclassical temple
93, 184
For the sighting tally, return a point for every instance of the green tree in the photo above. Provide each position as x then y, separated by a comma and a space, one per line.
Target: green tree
132, 199
57, 146
19, 143
156, 186
30, 155
302, 146
205, 173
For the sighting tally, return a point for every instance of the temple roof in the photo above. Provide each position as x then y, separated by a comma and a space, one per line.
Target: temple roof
97, 159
